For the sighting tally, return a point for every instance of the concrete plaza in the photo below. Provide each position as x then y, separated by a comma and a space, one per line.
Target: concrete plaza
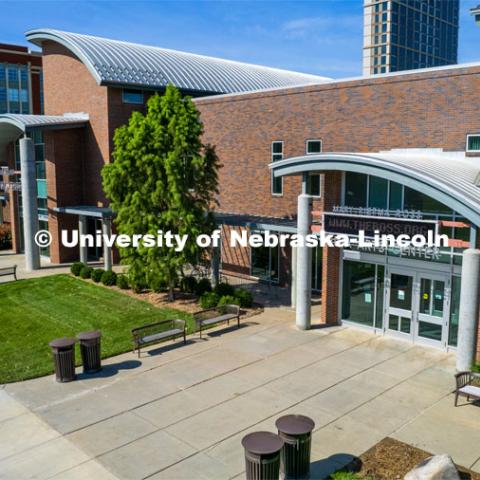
180, 411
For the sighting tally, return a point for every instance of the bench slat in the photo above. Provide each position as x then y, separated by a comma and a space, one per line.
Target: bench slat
221, 318
159, 336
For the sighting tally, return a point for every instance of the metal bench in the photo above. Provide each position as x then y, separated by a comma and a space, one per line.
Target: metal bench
9, 271
156, 332
465, 385
211, 316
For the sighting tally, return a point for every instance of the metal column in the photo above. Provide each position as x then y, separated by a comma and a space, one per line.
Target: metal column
304, 265
29, 203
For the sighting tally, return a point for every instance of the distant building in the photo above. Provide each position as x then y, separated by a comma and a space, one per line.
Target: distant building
475, 11
409, 34
20, 80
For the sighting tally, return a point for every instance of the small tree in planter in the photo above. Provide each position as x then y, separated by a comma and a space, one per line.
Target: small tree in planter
162, 179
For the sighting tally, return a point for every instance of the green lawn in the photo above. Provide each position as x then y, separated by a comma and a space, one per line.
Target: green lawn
35, 311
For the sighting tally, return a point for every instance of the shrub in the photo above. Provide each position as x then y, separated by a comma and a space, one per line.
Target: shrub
96, 275
86, 272
223, 289
122, 282
5, 237
245, 297
227, 300
209, 300
158, 285
188, 284
76, 268
203, 286
109, 278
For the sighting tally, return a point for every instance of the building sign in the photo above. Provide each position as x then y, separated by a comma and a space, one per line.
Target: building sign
10, 186
377, 212
7, 185
347, 224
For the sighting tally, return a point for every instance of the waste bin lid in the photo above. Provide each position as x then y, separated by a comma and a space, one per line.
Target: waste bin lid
62, 342
295, 424
89, 335
262, 443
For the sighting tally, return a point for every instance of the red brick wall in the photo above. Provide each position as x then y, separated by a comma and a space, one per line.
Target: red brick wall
424, 110
64, 153
70, 87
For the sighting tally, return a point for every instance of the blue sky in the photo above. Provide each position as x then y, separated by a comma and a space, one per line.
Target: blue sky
318, 36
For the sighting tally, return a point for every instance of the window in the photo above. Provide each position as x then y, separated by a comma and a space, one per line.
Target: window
313, 146
355, 189
362, 299
132, 96
277, 155
265, 262
473, 143
313, 180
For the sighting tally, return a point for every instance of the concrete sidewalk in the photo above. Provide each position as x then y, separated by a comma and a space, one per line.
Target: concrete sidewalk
181, 411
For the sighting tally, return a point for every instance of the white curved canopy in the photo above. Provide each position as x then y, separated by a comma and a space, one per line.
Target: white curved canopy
114, 62
14, 125
449, 177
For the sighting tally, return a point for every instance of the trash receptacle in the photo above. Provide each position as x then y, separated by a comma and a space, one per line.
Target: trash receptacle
296, 433
91, 351
262, 455
63, 351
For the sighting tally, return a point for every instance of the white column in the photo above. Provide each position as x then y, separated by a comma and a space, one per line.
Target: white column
82, 230
293, 283
304, 265
29, 203
468, 315
107, 251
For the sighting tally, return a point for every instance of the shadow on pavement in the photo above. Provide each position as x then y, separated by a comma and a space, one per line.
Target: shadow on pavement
110, 370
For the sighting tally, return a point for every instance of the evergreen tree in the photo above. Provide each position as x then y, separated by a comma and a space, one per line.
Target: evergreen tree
162, 179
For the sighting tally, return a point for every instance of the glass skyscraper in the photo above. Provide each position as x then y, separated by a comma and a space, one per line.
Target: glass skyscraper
409, 34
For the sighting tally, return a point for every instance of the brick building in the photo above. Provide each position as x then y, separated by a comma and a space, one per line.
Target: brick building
400, 148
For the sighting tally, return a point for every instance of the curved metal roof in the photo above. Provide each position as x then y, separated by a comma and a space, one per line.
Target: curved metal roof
115, 62
25, 122
13, 125
449, 177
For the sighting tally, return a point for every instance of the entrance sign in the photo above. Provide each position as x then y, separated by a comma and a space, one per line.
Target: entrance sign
350, 224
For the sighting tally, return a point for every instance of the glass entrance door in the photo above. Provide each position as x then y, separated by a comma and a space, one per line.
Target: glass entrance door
400, 306
417, 306
432, 321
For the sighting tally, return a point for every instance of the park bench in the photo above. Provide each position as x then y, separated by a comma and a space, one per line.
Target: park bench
467, 385
211, 316
156, 332
4, 271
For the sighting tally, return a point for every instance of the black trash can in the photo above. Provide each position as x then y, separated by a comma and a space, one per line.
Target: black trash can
63, 351
296, 432
262, 455
90, 349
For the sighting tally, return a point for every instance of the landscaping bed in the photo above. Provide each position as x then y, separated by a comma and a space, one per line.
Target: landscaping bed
391, 460
37, 310
190, 296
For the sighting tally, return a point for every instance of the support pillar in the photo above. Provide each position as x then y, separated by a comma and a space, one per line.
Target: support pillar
215, 265
468, 315
293, 282
107, 251
82, 230
29, 203
304, 265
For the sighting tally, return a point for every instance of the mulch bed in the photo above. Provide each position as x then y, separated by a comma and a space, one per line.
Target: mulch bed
185, 302
392, 460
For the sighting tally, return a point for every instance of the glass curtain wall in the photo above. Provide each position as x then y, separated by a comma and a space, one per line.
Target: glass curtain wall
265, 263
362, 293
14, 89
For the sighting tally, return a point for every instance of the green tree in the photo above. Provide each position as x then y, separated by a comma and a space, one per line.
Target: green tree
162, 179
